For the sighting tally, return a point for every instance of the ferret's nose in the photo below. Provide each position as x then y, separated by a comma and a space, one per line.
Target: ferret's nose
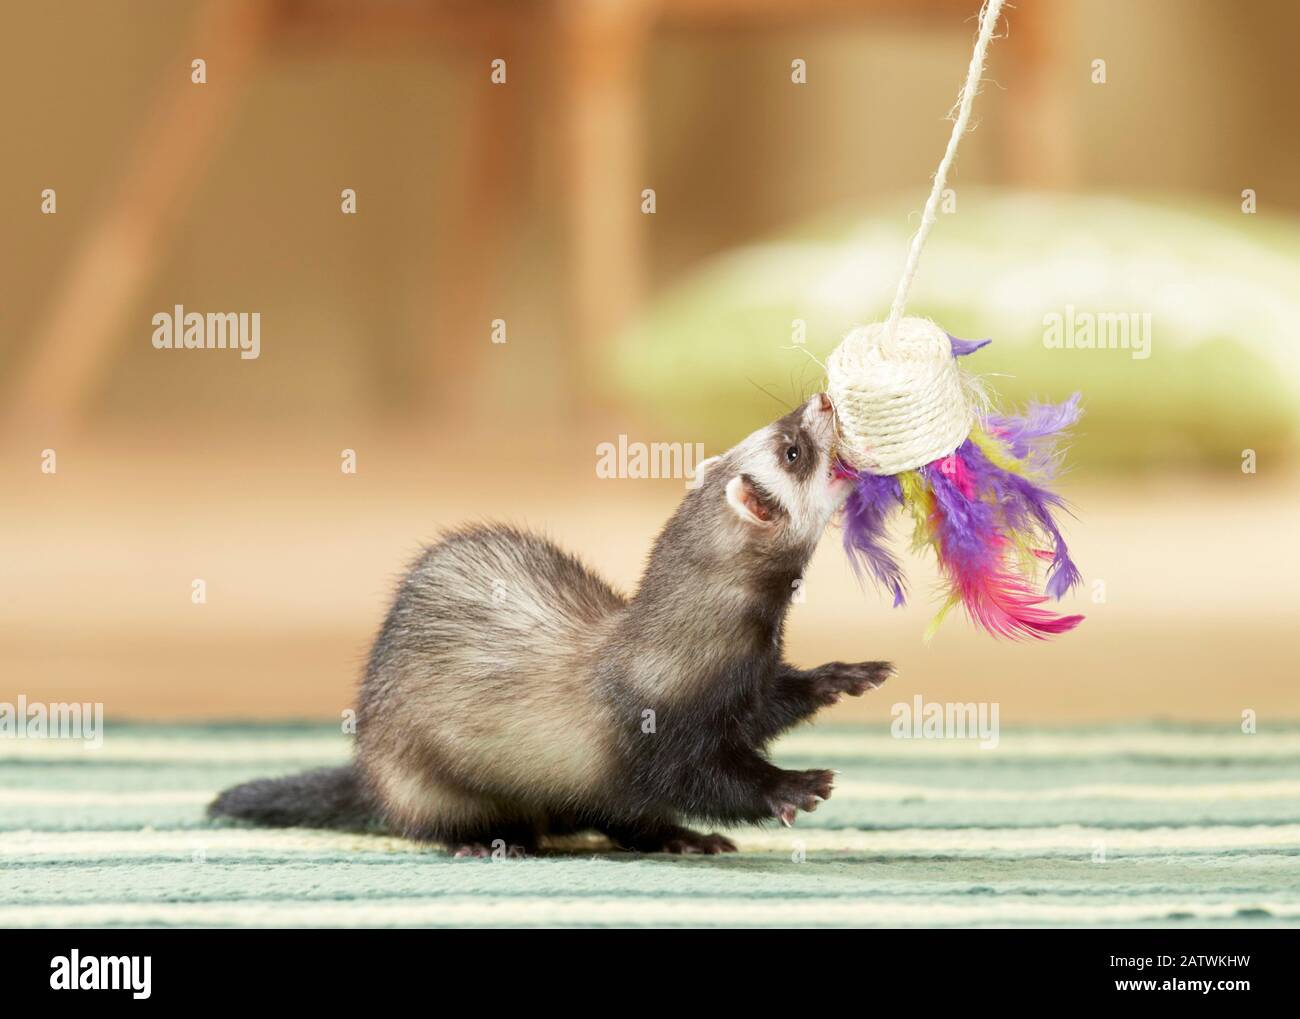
824, 402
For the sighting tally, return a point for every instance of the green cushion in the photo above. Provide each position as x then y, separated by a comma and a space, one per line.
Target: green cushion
708, 357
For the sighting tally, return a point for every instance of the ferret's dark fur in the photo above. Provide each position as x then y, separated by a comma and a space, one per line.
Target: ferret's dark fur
513, 694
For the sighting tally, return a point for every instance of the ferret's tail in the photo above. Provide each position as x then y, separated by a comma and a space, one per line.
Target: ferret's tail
323, 798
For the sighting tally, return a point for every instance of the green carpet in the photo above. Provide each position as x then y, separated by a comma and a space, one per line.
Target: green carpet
1134, 826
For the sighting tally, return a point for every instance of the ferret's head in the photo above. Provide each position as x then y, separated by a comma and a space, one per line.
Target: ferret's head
780, 485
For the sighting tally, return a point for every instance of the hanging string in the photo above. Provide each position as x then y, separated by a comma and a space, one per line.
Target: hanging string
987, 23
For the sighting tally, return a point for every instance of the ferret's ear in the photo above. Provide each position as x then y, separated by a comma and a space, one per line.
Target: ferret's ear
701, 468
746, 503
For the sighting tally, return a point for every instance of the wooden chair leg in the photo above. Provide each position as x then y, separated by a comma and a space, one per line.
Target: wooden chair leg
1038, 132
489, 178
599, 57
119, 253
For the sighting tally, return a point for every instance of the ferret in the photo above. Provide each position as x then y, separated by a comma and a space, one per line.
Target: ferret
513, 694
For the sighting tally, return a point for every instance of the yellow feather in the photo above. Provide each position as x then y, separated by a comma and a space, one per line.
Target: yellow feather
1022, 542
934, 624
919, 501
1000, 456
996, 451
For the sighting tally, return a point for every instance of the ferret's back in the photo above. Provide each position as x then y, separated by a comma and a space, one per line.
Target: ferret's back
504, 582
485, 660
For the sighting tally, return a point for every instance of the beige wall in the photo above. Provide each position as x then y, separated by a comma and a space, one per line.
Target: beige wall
1200, 99
190, 467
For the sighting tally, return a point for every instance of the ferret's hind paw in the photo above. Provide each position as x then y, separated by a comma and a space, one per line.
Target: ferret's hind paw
689, 842
671, 839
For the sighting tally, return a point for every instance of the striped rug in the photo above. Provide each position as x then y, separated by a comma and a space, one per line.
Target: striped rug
1136, 826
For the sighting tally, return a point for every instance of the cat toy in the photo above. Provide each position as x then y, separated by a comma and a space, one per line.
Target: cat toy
914, 433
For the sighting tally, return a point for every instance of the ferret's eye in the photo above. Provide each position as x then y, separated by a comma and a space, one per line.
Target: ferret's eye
792, 454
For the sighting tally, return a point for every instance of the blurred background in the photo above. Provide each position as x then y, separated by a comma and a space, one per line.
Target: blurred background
781, 213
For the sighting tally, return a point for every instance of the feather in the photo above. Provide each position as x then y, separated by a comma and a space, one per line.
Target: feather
961, 348
1010, 464
1003, 604
953, 467
1033, 437
865, 514
986, 512
974, 548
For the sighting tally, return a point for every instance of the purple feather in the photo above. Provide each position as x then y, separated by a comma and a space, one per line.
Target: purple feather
1033, 438
969, 526
1034, 435
960, 348
873, 498
1024, 503
976, 504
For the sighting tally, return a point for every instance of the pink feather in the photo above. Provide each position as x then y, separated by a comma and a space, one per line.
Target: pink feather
955, 470
999, 600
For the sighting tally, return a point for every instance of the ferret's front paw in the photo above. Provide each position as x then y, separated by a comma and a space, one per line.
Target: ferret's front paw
854, 679
799, 790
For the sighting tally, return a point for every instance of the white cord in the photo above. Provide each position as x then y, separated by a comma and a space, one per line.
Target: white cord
987, 23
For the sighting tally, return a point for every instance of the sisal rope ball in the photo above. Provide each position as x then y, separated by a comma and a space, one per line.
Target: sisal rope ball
899, 401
